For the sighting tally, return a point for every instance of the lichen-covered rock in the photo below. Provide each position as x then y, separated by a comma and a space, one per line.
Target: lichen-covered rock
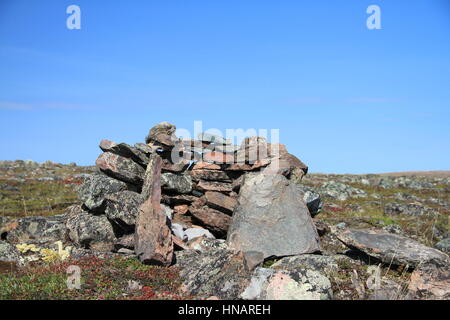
322, 264
404, 182
340, 191
122, 209
408, 209
125, 150
90, 231
272, 218
301, 284
213, 272
94, 189
391, 248
443, 245
178, 183
8, 253
162, 134
210, 175
120, 168
44, 229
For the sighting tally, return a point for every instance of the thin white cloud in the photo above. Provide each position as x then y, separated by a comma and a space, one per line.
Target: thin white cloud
375, 100
7, 105
14, 106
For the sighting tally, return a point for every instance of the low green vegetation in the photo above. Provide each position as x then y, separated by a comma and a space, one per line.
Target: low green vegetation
101, 279
36, 198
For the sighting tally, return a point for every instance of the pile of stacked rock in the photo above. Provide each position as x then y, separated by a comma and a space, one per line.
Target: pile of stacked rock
156, 196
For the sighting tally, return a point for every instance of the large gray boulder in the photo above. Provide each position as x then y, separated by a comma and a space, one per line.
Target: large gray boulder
272, 218
94, 189
391, 248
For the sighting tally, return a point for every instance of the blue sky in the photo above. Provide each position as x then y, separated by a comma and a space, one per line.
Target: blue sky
345, 98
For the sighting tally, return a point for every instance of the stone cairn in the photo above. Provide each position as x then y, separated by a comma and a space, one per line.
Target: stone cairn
159, 196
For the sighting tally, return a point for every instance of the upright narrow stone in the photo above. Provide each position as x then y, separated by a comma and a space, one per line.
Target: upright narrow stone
153, 240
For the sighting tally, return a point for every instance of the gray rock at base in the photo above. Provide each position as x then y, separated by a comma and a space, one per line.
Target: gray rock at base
322, 264
312, 199
302, 284
122, 209
90, 231
212, 272
391, 248
8, 253
272, 218
193, 233
443, 245
94, 189
45, 229
178, 183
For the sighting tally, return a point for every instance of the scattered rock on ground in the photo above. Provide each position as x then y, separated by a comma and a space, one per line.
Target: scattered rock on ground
391, 248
